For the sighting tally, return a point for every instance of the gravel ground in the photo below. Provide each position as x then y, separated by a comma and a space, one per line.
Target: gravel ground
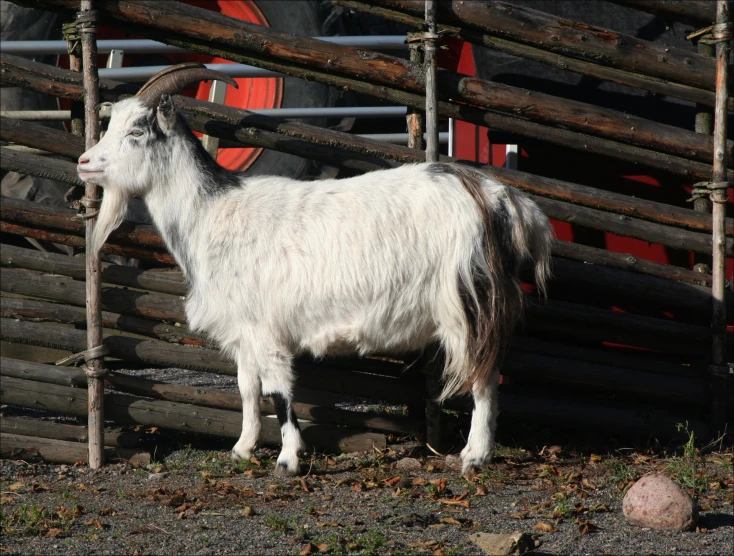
198, 502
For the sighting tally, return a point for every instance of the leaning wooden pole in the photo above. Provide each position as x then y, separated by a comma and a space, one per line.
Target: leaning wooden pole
86, 19
720, 375
429, 39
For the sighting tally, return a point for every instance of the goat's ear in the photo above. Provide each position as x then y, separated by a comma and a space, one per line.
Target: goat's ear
166, 113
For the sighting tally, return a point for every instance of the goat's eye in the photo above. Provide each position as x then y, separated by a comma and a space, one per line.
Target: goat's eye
136, 133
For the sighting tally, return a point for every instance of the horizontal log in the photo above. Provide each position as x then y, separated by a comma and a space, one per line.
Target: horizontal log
45, 138
607, 378
206, 397
23, 447
76, 241
41, 166
586, 322
573, 38
594, 417
461, 30
591, 324
610, 201
159, 354
627, 226
694, 12
161, 281
619, 284
116, 300
126, 409
624, 261
397, 80
565, 191
27, 213
63, 431
43, 311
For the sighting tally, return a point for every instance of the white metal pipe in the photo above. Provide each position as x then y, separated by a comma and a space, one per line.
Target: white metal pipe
145, 46
37, 115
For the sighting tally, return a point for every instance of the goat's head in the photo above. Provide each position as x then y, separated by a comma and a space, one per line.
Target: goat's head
139, 143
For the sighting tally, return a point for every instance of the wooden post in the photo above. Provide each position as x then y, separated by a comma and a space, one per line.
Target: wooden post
415, 118
704, 126
86, 18
719, 370
429, 40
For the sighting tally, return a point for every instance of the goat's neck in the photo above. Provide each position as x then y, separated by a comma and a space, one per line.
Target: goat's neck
177, 205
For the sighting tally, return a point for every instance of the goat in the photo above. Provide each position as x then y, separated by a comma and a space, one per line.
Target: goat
389, 261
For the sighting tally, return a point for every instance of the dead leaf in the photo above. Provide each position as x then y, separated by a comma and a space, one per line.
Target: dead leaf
16, 486
94, 523
586, 527
304, 485
255, 461
39, 488
517, 515
392, 482
595, 458
481, 491
328, 524
586, 483
599, 508
247, 511
544, 527
52, 533
450, 521
418, 481
455, 501
107, 511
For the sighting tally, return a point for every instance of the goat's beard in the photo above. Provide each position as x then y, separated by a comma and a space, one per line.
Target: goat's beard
111, 214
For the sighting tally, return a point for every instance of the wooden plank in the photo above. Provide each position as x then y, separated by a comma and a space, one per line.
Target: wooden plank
63, 431
126, 409
16, 446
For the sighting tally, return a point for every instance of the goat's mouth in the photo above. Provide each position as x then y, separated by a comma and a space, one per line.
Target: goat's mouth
87, 173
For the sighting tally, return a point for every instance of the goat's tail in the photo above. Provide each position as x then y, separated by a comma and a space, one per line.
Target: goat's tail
514, 230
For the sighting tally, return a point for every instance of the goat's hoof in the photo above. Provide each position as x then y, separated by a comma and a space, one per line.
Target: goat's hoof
239, 454
472, 463
283, 470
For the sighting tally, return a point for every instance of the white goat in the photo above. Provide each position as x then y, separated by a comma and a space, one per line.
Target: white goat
388, 261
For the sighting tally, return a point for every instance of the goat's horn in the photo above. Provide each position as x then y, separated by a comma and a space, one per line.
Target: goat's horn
176, 78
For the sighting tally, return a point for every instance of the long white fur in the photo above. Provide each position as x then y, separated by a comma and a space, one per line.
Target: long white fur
279, 267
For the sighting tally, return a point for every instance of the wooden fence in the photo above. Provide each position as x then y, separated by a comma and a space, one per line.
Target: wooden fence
564, 366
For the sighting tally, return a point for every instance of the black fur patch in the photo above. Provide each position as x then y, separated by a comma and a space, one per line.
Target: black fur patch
284, 410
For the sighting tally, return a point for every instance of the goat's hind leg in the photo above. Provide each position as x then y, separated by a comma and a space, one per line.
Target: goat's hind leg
277, 383
480, 445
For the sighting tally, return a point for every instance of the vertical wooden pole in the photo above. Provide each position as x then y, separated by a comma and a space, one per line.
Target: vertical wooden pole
704, 126
415, 119
86, 18
430, 38
722, 35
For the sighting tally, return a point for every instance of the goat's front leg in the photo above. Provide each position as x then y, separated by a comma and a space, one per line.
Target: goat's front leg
248, 381
480, 445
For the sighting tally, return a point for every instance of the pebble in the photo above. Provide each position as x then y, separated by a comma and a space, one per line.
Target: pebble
408, 463
655, 501
154, 476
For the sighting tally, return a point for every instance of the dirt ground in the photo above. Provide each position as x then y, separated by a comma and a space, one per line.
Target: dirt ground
194, 501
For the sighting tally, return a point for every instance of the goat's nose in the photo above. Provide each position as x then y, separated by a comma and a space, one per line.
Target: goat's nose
83, 160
